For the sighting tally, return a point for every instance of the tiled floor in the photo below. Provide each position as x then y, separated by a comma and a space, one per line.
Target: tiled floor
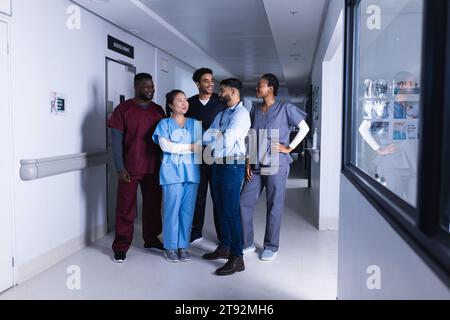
305, 268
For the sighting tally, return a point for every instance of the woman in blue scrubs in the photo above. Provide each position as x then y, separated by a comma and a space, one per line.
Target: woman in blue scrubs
178, 138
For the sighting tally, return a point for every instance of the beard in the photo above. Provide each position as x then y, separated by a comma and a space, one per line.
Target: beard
224, 100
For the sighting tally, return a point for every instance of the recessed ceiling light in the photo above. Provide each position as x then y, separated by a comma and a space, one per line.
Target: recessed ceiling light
100, 1
133, 31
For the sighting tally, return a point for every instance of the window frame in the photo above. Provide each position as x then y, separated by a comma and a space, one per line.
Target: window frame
445, 183
419, 226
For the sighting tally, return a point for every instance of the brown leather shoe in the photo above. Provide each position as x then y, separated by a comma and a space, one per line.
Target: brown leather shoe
219, 253
233, 265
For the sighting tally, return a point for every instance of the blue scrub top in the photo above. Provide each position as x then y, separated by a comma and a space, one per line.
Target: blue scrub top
281, 117
179, 168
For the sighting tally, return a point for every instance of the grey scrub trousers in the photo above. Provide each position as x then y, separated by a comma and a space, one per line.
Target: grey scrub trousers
279, 117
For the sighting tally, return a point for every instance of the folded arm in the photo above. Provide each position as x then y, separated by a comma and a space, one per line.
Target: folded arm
172, 147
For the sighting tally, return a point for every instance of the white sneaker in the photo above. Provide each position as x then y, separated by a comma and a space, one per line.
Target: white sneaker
252, 248
197, 240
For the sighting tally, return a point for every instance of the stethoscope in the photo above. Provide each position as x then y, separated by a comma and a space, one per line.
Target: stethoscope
185, 133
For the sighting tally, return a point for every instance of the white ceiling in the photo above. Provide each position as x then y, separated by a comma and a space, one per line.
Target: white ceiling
241, 38
235, 33
295, 26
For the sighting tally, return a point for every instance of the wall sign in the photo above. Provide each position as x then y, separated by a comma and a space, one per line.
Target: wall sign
164, 65
120, 47
57, 104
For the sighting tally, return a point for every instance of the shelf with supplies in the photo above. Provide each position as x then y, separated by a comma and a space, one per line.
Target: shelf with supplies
398, 97
395, 118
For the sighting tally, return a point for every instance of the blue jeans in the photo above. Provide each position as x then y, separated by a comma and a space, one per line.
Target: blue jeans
227, 181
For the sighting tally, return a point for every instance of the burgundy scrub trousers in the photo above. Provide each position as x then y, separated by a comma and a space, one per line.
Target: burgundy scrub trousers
142, 160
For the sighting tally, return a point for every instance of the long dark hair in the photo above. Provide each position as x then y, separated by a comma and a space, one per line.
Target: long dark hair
169, 100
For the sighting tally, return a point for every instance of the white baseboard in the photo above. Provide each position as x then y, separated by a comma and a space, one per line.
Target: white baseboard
32, 268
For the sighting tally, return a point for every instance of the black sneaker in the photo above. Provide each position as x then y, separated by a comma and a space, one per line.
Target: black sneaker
157, 244
120, 257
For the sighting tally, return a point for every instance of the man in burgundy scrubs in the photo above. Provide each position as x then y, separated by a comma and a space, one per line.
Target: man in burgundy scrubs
137, 161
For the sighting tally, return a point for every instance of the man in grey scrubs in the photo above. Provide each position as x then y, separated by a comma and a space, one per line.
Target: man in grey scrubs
271, 122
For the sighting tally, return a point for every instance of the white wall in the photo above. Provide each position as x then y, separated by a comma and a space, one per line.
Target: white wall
53, 215
6, 195
324, 218
179, 76
331, 139
366, 239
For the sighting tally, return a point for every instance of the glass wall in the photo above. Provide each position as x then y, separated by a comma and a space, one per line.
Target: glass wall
386, 101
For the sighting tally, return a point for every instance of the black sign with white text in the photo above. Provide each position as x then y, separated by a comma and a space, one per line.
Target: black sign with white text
120, 47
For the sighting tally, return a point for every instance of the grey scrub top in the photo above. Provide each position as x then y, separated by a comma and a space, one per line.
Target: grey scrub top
281, 117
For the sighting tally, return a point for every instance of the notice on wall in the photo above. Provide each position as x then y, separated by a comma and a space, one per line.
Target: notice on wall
164, 65
57, 104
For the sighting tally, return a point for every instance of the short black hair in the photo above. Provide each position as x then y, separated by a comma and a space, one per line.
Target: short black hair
169, 100
273, 82
142, 76
197, 77
232, 83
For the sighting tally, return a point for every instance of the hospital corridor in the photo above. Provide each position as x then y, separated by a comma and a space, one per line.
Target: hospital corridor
238, 150
309, 257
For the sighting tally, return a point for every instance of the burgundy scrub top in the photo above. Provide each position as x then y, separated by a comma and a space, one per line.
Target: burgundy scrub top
140, 154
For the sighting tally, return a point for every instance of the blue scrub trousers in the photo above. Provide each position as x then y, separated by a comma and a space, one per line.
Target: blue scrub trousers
275, 196
179, 203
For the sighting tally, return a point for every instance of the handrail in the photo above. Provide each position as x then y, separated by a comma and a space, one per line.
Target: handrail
32, 169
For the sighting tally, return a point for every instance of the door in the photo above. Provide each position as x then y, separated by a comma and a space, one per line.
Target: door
120, 87
6, 213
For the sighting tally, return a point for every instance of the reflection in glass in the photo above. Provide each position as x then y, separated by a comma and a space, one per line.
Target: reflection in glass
387, 98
